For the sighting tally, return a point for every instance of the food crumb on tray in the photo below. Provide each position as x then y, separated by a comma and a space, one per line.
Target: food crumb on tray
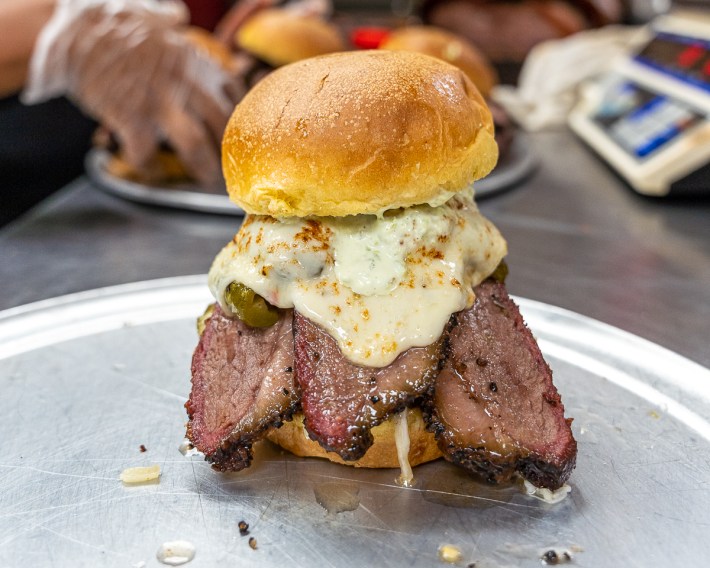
450, 553
133, 475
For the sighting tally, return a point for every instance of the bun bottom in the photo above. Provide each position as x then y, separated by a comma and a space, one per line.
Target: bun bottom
292, 436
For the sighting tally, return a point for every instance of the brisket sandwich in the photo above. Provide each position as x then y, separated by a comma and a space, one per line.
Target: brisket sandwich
361, 313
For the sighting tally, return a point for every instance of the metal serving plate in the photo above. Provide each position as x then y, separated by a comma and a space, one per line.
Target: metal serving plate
176, 196
86, 379
512, 169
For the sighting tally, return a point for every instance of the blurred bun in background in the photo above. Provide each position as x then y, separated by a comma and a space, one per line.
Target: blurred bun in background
278, 36
448, 46
460, 52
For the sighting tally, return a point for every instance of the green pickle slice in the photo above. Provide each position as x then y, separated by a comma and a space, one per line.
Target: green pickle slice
249, 307
501, 272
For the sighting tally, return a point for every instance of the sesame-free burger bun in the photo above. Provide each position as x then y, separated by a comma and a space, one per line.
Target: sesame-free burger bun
357, 132
292, 436
448, 46
279, 36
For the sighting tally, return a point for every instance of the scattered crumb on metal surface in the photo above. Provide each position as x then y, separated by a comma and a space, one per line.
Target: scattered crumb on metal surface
176, 552
450, 553
143, 449
243, 528
133, 475
252, 542
187, 449
547, 495
554, 557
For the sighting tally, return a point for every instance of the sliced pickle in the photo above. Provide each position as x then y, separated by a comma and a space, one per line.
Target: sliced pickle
500, 272
202, 320
249, 307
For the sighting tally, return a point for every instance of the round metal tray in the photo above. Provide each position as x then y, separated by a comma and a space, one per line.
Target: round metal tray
176, 196
87, 378
514, 167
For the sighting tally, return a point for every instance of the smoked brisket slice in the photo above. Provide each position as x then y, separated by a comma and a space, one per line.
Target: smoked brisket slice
342, 401
493, 407
242, 384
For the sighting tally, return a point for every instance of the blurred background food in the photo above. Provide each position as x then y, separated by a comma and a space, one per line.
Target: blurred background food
278, 36
448, 46
490, 40
457, 50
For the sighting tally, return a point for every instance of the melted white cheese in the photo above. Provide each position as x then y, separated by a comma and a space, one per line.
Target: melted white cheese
401, 441
548, 495
378, 285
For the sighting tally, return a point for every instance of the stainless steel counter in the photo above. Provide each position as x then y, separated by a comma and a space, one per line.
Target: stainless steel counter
95, 383
578, 238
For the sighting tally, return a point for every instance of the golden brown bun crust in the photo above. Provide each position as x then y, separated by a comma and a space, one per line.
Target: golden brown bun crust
447, 46
279, 36
357, 132
383, 452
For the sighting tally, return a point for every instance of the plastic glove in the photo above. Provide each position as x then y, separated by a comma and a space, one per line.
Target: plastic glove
128, 64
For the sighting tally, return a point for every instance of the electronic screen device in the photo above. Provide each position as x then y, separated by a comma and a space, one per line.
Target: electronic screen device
649, 115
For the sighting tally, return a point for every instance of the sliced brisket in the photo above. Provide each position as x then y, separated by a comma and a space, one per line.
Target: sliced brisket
342, 401
493, 407
242, 384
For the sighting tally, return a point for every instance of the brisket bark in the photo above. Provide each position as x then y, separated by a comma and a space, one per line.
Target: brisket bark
485, 389
242, 384
342, 401
493, 406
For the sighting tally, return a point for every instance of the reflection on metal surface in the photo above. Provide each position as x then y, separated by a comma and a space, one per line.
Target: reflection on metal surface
512, 169
86, 379
337, 497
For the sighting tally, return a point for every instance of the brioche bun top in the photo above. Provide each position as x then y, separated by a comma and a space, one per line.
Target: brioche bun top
357, 133
280, 36
448, 46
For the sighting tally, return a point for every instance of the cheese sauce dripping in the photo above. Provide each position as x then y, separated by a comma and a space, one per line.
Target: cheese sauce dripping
401, 440
378, 285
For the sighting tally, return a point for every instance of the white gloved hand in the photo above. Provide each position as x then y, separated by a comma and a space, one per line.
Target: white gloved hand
128, 64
